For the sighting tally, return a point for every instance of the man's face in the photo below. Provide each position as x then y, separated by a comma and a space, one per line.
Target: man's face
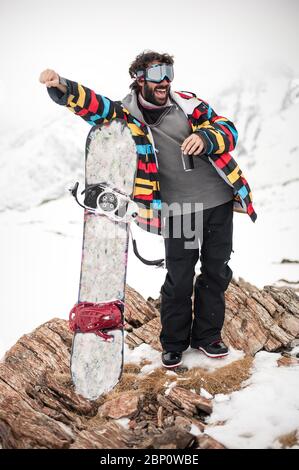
156, 93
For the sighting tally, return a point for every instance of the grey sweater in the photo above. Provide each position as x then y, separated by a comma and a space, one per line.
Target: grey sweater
201, 185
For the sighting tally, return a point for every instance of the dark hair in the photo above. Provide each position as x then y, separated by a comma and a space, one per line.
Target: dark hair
143, 60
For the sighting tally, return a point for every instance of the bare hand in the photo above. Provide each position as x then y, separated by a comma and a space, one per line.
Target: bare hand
193, 145
51, 79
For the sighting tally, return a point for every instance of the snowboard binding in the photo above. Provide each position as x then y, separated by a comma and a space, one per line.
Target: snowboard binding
101, 199
88, 317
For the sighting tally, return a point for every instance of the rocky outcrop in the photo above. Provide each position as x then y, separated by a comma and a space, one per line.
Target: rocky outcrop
39, 408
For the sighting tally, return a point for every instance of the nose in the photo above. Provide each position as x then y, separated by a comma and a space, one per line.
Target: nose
165, 81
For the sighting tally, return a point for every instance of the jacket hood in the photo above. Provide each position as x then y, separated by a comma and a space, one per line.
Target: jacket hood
130, 103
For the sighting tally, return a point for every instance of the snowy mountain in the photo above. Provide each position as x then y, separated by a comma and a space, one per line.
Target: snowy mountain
265, 114
37, 166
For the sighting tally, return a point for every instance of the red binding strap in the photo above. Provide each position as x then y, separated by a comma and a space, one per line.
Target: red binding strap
88, 317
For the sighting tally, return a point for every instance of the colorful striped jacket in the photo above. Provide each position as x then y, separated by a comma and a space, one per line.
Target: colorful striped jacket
219, 135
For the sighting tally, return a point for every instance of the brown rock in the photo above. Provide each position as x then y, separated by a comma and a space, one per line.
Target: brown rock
170, 438
186, 423
107, 436
160, 416
260, 319
147, 333
138, 311
189, 402
186, 402
255, 319
132, 424
183, 422
206, 442
287, 361
126, 404
39, 408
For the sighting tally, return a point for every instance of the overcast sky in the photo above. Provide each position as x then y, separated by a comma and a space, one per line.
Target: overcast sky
94, 41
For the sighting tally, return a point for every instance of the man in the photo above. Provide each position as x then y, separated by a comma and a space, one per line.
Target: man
165, 124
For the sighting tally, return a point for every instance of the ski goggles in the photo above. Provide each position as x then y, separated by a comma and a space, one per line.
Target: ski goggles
156, 73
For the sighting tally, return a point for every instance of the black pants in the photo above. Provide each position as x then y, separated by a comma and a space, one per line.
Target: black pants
179, 329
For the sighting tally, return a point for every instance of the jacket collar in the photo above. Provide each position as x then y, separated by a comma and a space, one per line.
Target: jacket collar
130, 103
186, 101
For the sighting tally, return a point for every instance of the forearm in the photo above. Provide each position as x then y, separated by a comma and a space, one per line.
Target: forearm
59, 93
82, 101
62, 88
218, 133
218, 138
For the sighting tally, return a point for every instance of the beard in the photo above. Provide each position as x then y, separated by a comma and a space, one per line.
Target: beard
152, 95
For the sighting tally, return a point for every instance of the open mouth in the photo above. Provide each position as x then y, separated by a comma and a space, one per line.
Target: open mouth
161, 92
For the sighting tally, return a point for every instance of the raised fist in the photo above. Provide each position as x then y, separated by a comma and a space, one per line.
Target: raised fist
51, 79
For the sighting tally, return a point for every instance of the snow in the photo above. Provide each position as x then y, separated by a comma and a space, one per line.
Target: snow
171, 372
124, 422
141, 353
195, 431
220, 398
205, 394
40, 164
268, 407
169, 386
41, 253
193, 358
266, 115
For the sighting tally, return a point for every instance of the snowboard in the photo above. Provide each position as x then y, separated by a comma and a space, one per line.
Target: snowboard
97, 318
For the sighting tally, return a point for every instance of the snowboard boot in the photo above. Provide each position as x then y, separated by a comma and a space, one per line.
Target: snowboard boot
171, 359
216, 349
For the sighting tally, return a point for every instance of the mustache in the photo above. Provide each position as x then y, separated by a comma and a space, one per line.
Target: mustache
165, 87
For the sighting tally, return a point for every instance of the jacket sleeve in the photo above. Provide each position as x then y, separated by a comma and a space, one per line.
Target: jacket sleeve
218, 133
84, 102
